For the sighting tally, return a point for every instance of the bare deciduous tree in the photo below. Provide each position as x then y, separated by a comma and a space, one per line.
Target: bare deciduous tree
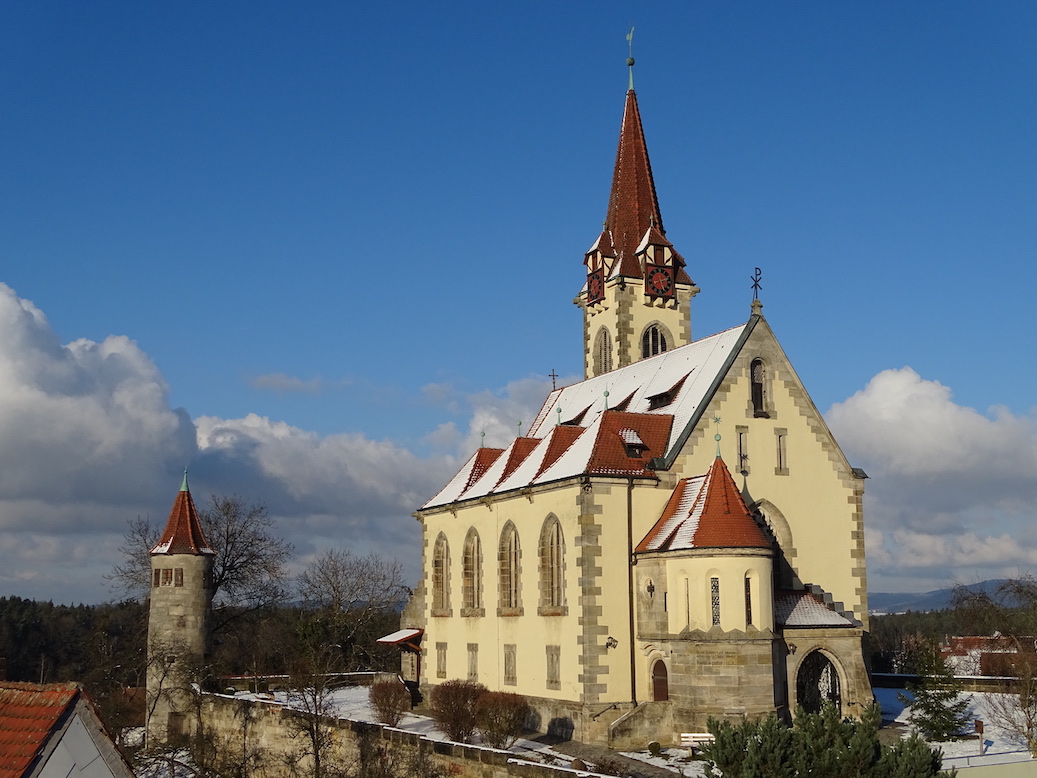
249, 570
352, 594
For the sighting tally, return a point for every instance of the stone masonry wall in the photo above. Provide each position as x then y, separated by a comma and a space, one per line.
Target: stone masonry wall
265, 730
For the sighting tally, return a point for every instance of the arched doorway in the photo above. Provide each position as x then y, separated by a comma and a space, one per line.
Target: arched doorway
660, 682
817, 682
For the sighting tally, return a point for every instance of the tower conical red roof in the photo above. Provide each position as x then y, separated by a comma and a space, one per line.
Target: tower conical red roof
183, 533
706, 511
633, 205
725, 521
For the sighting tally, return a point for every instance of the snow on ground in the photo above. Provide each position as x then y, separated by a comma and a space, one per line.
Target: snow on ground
999, 746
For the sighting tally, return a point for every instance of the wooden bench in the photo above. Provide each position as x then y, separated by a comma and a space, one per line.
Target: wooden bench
694, 741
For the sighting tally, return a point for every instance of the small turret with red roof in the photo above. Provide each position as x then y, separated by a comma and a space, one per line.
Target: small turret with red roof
178, 616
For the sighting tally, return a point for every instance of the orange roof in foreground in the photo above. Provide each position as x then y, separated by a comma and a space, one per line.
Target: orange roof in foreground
705, 512
183, 533
29, 714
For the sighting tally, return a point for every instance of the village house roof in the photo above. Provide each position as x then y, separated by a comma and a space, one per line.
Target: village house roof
183, 533
34, 718
705, 512
583, 429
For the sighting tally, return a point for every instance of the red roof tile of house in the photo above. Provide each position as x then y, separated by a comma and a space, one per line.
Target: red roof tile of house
705, 512
183, 533
29, 714
613, 455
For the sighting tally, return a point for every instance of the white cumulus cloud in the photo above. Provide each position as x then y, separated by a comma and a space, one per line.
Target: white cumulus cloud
953, 491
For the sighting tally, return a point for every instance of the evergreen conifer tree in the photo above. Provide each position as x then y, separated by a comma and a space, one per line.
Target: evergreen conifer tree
938, 711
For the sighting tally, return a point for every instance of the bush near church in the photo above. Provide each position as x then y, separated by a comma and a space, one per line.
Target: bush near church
501, 717
390, 700
454, 704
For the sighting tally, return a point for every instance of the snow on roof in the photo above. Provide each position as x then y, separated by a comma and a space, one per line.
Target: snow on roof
400, 635
705, 512
551, 452
803, 609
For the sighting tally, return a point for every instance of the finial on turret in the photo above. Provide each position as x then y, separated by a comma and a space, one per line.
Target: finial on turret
630, 59
716, 421
183, 486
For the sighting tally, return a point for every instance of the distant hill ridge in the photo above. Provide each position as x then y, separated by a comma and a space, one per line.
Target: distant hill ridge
940, 599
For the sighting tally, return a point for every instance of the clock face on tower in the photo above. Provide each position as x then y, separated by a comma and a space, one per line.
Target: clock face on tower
595, 291
660, 281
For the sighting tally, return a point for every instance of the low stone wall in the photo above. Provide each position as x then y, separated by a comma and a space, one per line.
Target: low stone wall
271, 740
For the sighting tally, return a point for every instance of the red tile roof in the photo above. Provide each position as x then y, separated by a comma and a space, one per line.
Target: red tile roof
484, 457
183, 533
561, 438
612, 455
705, 512
633, 204
29, 714
521, 448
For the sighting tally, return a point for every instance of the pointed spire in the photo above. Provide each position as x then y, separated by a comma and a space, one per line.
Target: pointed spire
633, 205
725, 522
183, 532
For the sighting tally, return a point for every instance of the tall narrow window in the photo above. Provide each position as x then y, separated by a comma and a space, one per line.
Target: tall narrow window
653, 341
758, 377
748, 602
714, 599
554, 667
471, 576
510, 664
552, 591
473, 661
440, 577
440, 660
782, 464
602, 352
743, 449
509, 558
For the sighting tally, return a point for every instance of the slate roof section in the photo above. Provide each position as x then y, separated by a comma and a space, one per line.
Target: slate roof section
29, 714
691, 373
802, 609
705, 512
183, 532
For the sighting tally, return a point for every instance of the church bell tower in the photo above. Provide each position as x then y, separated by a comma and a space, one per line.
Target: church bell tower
637, 299
178, 619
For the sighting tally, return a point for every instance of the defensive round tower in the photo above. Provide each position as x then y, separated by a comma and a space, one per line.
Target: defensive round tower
178, 619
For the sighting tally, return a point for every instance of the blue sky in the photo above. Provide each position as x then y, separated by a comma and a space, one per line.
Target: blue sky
364, 226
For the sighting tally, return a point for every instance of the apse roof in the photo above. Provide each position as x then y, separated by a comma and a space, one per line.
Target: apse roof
705, 512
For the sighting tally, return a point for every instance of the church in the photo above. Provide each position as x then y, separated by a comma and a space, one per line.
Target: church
676, 537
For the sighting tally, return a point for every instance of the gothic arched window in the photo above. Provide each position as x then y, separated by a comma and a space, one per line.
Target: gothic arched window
509, 557
602, 352
653, 341
552, 562
440, 576
471, 575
